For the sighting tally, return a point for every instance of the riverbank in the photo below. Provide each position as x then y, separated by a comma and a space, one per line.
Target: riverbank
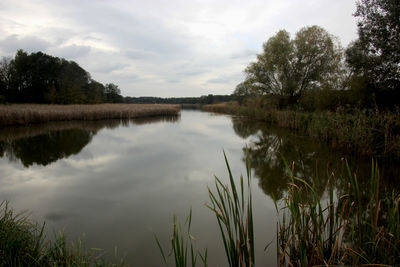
359, 227
22, 114
23, 243
374, 134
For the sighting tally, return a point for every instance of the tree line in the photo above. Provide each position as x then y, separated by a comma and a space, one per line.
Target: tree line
205, 99
312, 71
41, 78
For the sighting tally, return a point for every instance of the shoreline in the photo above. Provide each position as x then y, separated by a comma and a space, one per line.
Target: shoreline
25, 114
375, 135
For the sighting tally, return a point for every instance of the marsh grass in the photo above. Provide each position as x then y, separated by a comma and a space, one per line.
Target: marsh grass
234, 212
35, 113
371, 133
182, 245
233, 209
355, 229
22, 243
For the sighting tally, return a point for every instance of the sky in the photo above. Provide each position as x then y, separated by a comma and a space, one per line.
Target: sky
171, 48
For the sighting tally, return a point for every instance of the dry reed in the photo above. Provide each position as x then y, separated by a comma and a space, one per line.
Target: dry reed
376, 134
34, 113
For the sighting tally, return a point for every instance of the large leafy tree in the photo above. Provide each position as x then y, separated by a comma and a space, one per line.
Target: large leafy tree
288, 67
379, 33
375, 56
242, 91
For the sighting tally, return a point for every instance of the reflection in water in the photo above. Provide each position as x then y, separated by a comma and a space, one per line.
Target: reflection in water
43, 144
46, 148
269, 148
125, 185
314, 162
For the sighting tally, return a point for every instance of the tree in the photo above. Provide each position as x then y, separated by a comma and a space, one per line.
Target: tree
113, 93
375, 56
4, 78
72, 81
41, 78
95, 92
288, 67
242, 91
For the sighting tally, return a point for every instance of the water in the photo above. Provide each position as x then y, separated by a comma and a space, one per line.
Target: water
117, 183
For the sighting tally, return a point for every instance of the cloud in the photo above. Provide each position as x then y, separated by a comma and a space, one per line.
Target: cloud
107, 68
178, 48
28, 43
173, 81
139, 54
70, 51
245, 54
193, 72
222, 79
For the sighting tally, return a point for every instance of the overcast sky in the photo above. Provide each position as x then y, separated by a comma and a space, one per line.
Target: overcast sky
164, 48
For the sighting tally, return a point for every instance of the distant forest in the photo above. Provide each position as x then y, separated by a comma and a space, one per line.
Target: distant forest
208, 99
41, 78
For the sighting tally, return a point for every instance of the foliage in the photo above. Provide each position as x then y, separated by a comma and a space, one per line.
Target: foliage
22, 243
289, 67
375, 56
364, 132
40, 78
379, 38
242, 91
113, 93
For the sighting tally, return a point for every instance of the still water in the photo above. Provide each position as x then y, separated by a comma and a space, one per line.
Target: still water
117, 183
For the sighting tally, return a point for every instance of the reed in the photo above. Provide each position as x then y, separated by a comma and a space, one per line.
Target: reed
355, 229
367, 133
234, 212
34, 113
22, 243
182, 245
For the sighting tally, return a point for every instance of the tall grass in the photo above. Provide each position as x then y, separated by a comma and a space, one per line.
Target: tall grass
35, 113
368, 133
354, 229
22, 243
234, 212
182, 245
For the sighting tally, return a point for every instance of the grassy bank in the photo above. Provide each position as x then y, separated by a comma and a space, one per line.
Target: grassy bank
373, 134
22, 243
34, 113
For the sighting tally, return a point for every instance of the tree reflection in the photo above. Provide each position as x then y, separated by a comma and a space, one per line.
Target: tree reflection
269, 147
44, 144
46, 148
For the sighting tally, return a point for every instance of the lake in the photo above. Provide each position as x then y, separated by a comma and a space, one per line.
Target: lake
117, 183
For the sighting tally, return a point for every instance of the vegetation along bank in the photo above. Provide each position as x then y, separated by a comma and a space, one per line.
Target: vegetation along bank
309, 83
376, 134
35, 113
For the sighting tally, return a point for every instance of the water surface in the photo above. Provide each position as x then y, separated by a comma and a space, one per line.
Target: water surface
117, 183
